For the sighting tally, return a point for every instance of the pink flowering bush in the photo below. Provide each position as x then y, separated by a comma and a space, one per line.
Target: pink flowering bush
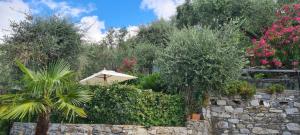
279, 47
127, 65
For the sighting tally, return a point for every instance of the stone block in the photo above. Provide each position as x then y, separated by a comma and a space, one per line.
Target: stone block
221, 102
240, 125
229, 109
244, 131
286, 133
260, 114
291, 110
273, 110
233, 120
217, 109
259, 130
238, 110
296, 104
254, 102
223, 124
266, 104
250, 126
293, 126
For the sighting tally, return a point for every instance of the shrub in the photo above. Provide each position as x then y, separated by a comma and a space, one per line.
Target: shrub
123, 104
242, 88
275, 88
200, 60
153, 82
4, 127
279, 46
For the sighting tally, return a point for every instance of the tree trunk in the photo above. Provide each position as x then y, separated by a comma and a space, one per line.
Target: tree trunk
188, 99
42, 124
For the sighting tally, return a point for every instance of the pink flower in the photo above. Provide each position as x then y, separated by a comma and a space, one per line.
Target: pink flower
295, 39
264, 62
262, 42
286, 8
297, 6
270, 53
295, 63
277, 63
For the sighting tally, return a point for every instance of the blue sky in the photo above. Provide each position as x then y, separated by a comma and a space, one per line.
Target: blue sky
101, 14
115, 13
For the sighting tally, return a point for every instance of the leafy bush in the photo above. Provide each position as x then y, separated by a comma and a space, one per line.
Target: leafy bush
153, 82
4, 127
275, 88
242, 88
203, 60
123, 104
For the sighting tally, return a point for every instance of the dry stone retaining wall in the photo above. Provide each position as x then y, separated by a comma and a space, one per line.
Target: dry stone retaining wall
263, 114
193, 128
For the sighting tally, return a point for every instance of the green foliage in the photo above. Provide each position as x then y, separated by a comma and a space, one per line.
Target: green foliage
43, 91
259, 76
145, 54
39, 41
98, 57
215, 13
4, 127
242, 88
202, 59
121, 104
156, 34
275, 88
152, 81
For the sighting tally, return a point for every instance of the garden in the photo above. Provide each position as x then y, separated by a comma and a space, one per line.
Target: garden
179, 64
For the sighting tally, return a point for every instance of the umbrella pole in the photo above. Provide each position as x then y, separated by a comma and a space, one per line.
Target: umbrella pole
105, 79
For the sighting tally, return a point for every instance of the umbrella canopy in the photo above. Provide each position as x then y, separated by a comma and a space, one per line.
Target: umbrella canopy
106, 77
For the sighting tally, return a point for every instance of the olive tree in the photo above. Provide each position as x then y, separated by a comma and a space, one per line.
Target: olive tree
38, 41
200, 60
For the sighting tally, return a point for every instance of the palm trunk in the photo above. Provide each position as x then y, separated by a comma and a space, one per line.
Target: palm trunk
42, 124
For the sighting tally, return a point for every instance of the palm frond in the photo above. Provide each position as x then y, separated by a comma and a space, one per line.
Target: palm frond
70, 110
75, 96
58, 70
70, 101
19, 111
26, 71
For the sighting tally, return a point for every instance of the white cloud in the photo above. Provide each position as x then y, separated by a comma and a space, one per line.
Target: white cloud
11, 10
63, 8
132, 31
162, 8
91, 27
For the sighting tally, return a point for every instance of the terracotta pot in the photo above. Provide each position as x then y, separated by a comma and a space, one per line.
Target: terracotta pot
195, 116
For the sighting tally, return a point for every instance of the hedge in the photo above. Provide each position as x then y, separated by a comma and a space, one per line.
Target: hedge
123, 104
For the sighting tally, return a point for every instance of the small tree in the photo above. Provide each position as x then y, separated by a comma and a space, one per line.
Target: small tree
38, 41
44, 91
198, 61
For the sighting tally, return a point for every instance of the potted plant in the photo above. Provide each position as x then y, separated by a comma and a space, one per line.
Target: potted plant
196, 116
195, 112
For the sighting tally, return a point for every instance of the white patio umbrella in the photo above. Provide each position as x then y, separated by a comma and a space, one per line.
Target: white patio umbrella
106, 77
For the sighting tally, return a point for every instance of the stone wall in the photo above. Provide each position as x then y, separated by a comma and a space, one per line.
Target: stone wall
263, 114
193, 128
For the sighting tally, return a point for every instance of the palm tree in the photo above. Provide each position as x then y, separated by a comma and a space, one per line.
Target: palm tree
44, 91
